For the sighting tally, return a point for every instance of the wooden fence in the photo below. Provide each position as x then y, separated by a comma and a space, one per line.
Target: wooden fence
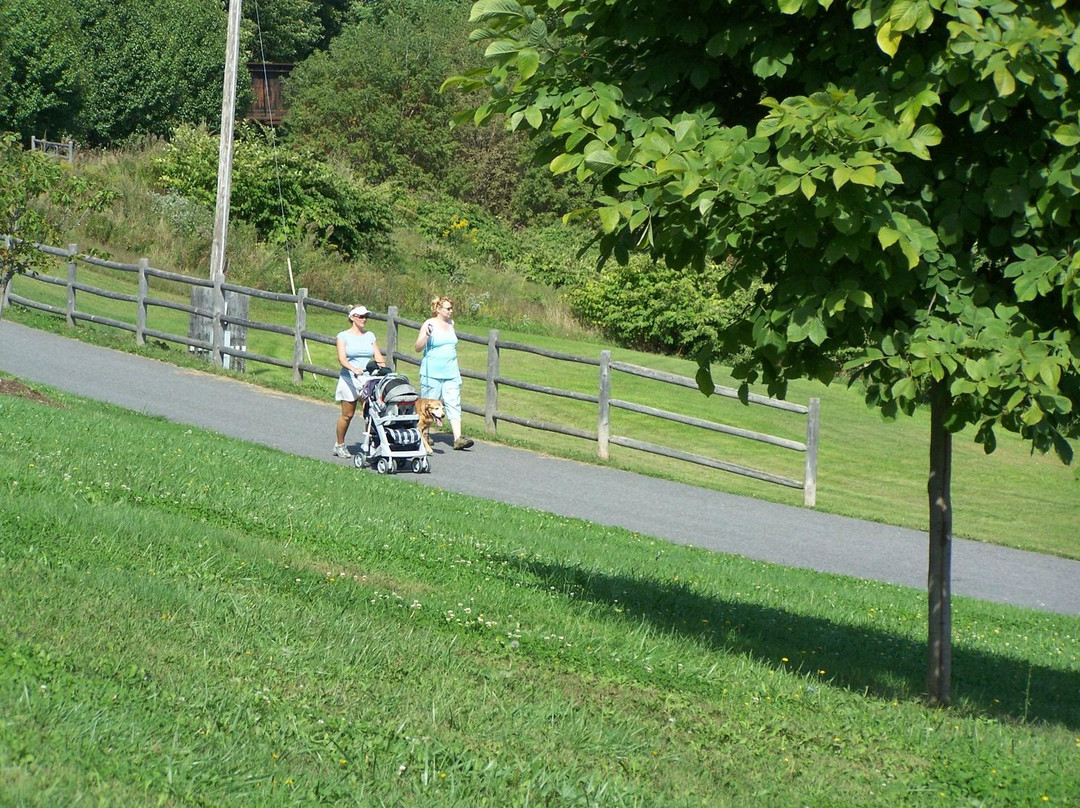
64, 149
222, 341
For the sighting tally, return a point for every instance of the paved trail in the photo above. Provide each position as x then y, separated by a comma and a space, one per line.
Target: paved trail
679, 513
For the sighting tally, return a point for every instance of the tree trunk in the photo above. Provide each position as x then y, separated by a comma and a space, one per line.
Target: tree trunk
5, 282
939, 577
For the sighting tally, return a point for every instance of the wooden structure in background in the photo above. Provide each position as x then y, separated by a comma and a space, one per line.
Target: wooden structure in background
266, 78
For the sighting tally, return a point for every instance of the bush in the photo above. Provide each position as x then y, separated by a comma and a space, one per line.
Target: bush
285, 194
649, 306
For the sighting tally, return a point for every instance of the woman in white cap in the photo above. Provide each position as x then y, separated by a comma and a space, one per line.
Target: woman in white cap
356, 346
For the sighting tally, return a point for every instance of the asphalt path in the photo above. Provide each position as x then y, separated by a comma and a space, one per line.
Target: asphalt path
684, 514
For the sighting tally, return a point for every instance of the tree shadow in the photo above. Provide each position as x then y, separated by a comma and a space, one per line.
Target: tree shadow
879, 663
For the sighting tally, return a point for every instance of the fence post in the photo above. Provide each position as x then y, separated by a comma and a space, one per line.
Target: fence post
603, 422
491, 393
73, 250
298, 335
6, 290
217, 333
140, 311
391, 337
813, 416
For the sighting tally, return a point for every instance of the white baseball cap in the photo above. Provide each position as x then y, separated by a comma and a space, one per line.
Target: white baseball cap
359, 311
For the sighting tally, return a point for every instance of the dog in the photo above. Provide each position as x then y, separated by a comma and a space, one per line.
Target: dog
429, 411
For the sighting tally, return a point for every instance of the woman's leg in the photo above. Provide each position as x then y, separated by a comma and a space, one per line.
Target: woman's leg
451, 397
348, 410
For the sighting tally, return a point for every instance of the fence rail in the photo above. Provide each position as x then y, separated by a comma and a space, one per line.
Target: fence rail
57, 148
221, 349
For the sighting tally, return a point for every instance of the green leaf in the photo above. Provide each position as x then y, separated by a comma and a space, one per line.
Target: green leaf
867, 175
486, 9
1067, 134
600, 160
887, 237
501, 48
534, 116
527, 63
787, 184
1050, 373
565, 162
704, 380
887, 39
904, 389
609, 219
790, 6
808, 186
1004, 82
564, 126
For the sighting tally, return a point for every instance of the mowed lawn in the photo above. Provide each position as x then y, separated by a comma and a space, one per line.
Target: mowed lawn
189, 620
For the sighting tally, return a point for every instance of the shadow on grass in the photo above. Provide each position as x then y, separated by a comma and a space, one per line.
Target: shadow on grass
879, 663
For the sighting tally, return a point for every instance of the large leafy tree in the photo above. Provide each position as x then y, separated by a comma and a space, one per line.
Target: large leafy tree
39, 61
373, 97
149, 65
102, 71
372, 100
290, 30
900, 175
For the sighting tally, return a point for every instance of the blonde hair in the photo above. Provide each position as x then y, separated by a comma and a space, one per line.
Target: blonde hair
436, 303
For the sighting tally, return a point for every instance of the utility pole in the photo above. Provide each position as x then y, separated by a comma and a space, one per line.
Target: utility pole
224, 181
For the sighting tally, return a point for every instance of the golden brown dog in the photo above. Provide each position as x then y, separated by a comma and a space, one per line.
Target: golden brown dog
429, 411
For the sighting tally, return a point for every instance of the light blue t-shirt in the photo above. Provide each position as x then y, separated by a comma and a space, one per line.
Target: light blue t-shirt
359, 349
440, 356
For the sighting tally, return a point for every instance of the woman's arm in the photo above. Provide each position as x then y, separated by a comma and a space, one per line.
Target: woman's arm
342, 359
425, 334
377, 355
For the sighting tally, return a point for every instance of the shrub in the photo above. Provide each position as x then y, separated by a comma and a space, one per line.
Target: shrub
649, 306
280, 191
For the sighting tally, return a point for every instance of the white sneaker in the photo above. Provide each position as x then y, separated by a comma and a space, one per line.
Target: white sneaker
341, 451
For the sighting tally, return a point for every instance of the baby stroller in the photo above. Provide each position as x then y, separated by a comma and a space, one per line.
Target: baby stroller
391, 437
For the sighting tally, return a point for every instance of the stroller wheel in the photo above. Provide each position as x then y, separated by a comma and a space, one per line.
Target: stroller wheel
359, 461
385, 466
418, 465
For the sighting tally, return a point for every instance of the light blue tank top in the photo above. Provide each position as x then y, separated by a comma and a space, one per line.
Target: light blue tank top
359, 348
440, 356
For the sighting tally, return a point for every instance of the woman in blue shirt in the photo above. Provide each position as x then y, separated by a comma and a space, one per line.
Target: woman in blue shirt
356, 347
440, 376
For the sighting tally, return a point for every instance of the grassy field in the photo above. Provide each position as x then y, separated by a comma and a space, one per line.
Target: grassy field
188, 620
868, 468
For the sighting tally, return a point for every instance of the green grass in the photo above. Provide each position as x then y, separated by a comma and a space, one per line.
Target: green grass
190, 620
868, 468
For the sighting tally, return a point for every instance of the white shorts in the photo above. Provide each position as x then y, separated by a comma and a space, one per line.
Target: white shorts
348, 387
446, 390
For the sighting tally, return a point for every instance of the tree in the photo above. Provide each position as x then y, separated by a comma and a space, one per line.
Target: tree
900, 176
373, 97
27, 178
288, 30
148, 66
103, 71
372, 100
39, 58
